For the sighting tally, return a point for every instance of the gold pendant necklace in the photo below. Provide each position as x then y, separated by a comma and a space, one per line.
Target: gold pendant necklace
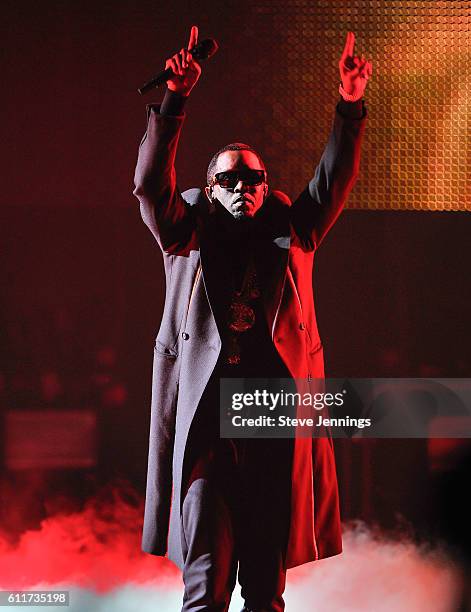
241, 315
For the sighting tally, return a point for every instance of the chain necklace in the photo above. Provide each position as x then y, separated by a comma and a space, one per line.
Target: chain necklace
241, 315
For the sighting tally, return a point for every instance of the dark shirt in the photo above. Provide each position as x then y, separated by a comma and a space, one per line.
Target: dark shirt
247, 347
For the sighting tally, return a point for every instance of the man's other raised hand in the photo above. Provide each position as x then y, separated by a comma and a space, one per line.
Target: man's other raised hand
354, 70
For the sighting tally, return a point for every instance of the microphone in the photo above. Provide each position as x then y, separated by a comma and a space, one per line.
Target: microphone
203, 50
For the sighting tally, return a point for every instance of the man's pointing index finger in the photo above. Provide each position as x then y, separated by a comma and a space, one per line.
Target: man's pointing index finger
193, 37
349, 45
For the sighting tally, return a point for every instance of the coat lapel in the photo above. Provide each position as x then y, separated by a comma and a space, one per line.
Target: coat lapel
213, 262
271, 262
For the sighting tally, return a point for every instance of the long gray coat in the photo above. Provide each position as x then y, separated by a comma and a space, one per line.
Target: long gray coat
189, 340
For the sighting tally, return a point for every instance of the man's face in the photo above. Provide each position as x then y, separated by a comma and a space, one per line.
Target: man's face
242, 200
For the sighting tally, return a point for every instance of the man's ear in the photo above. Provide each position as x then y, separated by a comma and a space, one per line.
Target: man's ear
265, 191
209, 193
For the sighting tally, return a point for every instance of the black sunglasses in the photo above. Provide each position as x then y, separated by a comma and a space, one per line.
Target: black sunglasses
230, 178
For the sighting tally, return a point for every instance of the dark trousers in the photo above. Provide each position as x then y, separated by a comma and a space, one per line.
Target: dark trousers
236, 512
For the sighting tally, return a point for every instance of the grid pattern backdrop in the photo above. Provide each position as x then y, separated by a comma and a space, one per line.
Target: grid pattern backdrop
417, 150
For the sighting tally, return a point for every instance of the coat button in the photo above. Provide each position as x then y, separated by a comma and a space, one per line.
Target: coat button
185, 336
302, 327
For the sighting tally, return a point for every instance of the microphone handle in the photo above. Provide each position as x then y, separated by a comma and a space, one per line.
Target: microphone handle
162, 77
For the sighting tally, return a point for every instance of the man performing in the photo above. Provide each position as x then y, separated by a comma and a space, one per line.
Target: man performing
239, 303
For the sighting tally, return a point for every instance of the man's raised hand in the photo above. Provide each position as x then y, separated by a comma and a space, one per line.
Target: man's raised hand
185, 68
354, 71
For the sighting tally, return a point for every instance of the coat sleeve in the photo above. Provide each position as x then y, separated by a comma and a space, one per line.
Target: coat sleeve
169, 217
317, 208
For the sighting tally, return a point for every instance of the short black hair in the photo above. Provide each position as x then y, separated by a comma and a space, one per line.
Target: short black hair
234, 146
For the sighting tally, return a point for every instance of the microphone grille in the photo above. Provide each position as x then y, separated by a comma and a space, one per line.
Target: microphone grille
204, 49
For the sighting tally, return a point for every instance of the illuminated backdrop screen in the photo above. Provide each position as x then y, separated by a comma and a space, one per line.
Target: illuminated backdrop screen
416, 153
